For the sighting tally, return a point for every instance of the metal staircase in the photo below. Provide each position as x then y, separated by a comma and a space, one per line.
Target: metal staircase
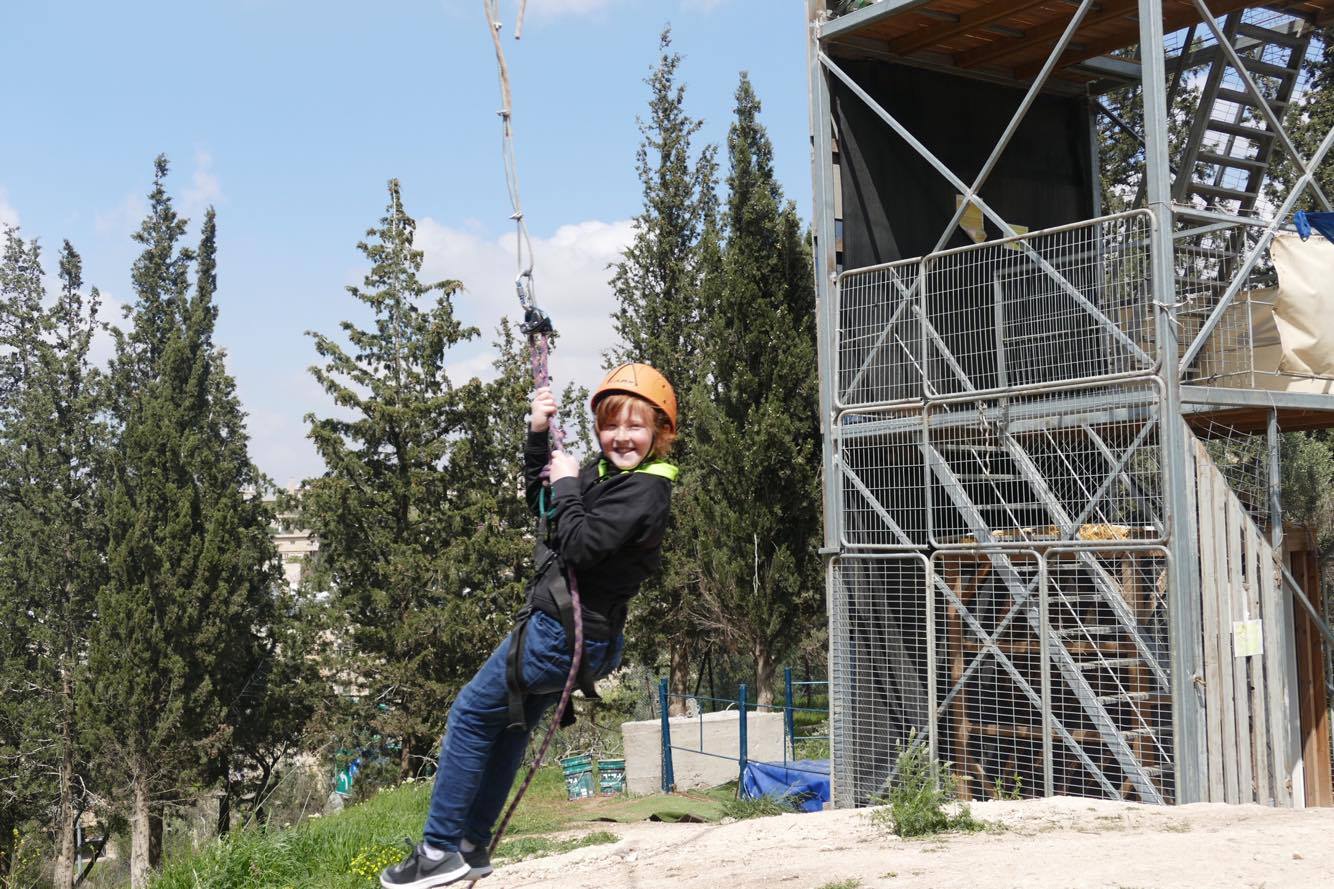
1231, 144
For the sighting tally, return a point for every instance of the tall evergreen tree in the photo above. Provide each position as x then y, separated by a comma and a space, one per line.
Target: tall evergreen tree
182, 620
419, 512
656, 284
756, 451
27, 734
51, 556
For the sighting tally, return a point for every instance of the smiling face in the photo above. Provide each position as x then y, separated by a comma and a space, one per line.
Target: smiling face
626, 436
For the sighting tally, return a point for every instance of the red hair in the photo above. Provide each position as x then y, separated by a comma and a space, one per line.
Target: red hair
610, 406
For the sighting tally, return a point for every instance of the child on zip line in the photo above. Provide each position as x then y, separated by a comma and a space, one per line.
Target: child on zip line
605, 521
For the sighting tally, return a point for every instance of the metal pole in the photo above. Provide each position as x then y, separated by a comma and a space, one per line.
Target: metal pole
668, 779
1044, 649
1184, 603
825, 255
789, 730
1289, 734
742, 746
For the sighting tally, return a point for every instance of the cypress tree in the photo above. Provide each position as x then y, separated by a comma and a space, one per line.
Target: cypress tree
26, 717
756, 451
50, 559
656, 284
182, 618
419, 511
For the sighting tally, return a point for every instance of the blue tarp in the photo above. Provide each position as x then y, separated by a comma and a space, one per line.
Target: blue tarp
805, 779
1321, 222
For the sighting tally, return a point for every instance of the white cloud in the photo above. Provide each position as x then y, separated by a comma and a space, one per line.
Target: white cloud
8, 214
103, 346
571, 277
205, 187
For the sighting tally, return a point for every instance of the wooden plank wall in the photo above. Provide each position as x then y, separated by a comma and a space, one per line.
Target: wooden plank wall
1248, 723
1313, 700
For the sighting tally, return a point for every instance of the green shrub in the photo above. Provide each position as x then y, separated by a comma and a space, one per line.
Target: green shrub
920, 799
742, 808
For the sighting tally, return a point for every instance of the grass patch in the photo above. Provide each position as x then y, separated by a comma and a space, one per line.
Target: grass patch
852, 883
347, 850
537, 847
921, 800
742, 808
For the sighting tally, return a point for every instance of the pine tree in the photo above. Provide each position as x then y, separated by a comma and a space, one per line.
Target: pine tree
656, 284
755, 457
419, 512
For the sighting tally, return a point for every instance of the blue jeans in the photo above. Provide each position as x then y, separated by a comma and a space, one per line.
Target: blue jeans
479, 757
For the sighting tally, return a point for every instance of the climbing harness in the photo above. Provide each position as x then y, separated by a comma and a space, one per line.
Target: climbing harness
537, 325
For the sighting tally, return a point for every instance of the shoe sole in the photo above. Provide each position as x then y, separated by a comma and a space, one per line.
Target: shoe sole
478, 872
432, 882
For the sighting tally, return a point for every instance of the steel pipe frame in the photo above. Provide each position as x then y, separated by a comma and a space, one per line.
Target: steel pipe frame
1011, 235
924, 264
1188, 753
834, 564
1070, 672
1185, 604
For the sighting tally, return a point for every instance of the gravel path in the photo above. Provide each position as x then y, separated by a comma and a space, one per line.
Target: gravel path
1059, 843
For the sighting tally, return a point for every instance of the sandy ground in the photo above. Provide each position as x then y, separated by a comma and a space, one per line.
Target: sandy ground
1065, 843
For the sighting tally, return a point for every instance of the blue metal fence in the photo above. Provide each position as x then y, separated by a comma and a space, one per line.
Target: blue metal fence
743, 704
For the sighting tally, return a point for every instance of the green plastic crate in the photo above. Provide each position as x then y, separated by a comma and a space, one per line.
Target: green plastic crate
578, 776
611, 776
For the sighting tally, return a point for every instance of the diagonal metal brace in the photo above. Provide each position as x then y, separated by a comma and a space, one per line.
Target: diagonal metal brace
1070, 672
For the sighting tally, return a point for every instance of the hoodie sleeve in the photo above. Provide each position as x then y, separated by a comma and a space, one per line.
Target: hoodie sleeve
630, 513
536, 452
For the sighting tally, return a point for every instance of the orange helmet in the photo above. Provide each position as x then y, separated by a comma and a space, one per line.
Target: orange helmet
643, 381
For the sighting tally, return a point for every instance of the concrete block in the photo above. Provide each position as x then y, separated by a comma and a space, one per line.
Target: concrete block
713, 733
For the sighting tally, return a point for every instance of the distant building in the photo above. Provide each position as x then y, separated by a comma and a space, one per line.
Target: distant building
295, 545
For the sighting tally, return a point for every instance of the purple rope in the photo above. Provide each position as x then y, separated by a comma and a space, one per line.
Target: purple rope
540, 355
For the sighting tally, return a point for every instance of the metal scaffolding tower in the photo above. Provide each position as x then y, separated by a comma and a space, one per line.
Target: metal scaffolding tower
1056, 554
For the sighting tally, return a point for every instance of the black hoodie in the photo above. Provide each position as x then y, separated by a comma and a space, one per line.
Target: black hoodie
608, 530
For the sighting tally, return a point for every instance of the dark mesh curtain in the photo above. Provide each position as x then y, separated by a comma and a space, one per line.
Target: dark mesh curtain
895, 205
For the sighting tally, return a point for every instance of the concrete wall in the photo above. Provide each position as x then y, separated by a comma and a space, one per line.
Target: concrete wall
721, 736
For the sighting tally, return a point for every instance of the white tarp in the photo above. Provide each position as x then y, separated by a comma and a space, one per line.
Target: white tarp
1304, 309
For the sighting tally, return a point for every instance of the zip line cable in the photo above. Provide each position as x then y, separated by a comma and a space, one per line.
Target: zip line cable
537, 325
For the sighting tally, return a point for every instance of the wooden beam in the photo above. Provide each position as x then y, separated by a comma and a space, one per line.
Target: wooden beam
866, 16
1108, 11
973, 19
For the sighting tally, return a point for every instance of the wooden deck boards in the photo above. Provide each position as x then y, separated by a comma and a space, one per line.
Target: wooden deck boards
1017, 35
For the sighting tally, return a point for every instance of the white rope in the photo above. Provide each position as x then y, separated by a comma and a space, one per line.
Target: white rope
523, 279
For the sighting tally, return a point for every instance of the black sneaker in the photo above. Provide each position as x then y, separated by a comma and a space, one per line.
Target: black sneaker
479, 860
417, 871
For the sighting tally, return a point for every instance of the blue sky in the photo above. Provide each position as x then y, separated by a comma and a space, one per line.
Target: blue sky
290, 117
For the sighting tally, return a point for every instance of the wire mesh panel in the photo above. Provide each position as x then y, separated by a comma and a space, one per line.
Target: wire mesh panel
878, 352
1207, 258
1242, 457
882, 498
990, 680
1067, 304
1078, 464
878, 669
1111, 690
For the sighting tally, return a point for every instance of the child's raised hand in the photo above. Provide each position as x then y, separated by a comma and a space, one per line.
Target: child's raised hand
543, 409
563, 466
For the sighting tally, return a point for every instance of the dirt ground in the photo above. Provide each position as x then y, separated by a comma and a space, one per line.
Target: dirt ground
1065, 843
